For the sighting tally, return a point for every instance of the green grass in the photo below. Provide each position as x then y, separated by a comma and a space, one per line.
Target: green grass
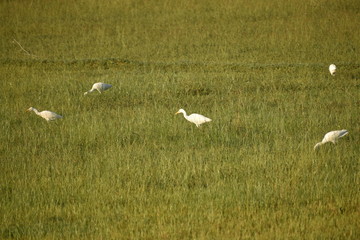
121, 165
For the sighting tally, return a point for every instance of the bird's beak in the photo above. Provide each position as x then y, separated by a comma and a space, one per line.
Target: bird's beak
177, 113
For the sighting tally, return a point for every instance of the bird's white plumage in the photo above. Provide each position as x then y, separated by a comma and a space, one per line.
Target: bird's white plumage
47, 115
195, 118
100, 87
332, 69
332, 136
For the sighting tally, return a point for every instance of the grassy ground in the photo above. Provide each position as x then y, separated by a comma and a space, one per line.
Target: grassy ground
120, 165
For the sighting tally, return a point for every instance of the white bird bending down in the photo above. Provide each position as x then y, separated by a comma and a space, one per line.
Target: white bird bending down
332, 136
198, 119
100, 87
332, 69
47, 115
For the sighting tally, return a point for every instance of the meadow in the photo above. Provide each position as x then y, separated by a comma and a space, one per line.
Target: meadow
121, 165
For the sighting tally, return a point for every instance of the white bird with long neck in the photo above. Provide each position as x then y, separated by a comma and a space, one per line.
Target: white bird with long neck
195, 118
100, 87
332, 136
332, 69
47, 115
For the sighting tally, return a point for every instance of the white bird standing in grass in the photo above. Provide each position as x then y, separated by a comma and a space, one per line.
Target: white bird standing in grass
47, 115
198, 119
100, 87
332, 69
332, 136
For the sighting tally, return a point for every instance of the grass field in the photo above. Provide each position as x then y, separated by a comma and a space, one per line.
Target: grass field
121, 165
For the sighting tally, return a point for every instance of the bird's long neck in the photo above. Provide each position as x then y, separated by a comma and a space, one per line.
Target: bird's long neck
90, 91
318, 145
36, 111
185, 115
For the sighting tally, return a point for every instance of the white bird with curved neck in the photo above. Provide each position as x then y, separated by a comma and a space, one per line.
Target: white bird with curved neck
332, 136
100, 87
195, 118
47, 115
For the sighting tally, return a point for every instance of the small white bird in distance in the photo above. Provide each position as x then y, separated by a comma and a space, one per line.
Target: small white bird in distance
332, 136
332, 69
100, 87
47, 115
198, 119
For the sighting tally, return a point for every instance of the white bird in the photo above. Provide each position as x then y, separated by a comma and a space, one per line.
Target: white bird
100, 87
198, 119
47, 115
332, 136
332, 69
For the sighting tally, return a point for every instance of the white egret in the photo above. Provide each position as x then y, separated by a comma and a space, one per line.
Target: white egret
198, 119
47, 115
332, 69
332, 136
100, 87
